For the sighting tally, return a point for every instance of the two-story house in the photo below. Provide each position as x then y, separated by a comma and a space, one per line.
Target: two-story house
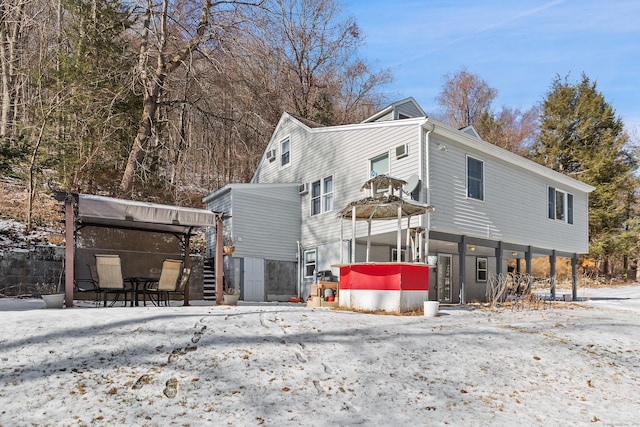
491, 205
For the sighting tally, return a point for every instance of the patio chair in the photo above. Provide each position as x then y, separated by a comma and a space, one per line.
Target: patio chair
182, 283
88, 285
110, 281
168, 282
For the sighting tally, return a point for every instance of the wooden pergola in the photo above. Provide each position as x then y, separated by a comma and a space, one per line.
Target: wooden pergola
384, 202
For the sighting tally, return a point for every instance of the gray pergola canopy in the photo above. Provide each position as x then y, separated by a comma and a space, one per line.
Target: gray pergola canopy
112, 212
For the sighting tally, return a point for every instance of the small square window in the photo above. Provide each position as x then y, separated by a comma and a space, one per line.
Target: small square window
394, 255
379, 165
481, 269
309, 262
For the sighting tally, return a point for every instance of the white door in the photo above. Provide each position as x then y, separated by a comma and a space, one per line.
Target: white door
444, 278
253, 279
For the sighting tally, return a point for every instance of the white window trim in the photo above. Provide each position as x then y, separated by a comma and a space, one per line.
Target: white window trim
325, 194
370, 168
370, 163
478, 269
282, 141
322, 195
566, 194
304, 262
466, 182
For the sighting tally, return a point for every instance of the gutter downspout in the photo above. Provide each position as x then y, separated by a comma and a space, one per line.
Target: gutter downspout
424, 152
299, 269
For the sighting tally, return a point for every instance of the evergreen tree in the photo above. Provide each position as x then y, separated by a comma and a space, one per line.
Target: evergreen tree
581, 136
98, 110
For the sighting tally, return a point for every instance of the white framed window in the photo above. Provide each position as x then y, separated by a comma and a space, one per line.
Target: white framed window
309, 256
316, 194
285, 152
327, 194
481, 269
322, 195
560, 205
475, 178
379, 165
394, 255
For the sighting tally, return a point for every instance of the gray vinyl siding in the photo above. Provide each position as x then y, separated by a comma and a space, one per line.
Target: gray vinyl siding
514, 208
222, 203
266, 221
387, 117
408, 109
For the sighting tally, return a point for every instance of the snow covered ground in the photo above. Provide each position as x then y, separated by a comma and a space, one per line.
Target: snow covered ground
280, 365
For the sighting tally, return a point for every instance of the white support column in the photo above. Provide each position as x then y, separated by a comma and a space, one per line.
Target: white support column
399, 242
341, 239
368, 238
353, 235
408, 240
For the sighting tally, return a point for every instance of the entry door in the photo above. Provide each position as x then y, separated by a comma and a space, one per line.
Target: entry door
444, 278
253, 279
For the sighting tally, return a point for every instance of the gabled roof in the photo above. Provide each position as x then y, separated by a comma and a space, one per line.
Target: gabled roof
467, 137
477, 143
471, 131
393, 106
307, 122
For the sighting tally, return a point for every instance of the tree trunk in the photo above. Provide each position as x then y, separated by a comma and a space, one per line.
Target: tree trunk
139, 146
153, 80
11, 22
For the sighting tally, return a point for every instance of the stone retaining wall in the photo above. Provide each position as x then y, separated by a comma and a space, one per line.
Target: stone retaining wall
22, 269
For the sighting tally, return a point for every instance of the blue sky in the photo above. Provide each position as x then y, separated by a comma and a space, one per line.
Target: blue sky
516, 46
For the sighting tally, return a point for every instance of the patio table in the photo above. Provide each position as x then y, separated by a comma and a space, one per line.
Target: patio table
139, 283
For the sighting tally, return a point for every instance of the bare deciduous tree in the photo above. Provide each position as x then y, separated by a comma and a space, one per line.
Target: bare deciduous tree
466, 101
162, 50
465, 97
511, 129
12, 21
310, 53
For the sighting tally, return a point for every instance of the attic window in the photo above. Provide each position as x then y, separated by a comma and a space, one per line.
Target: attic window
285, 149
